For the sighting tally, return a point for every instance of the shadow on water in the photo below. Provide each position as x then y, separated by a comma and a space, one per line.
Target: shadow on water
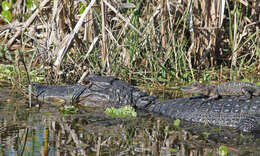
45, 131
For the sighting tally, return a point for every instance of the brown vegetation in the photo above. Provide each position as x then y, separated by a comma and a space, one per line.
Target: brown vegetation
142, 39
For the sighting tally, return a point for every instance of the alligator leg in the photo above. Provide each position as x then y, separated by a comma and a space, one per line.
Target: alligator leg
247, 91
214, 97
248, 125
76, 96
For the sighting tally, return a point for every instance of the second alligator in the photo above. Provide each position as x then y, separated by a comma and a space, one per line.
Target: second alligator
224, 89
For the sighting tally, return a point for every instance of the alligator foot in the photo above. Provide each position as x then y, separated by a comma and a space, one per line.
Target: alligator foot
248, 125
243, 98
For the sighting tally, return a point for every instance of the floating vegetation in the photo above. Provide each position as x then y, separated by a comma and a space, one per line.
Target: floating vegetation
176, 123
223, 150
126, 111
206, 135
68, 109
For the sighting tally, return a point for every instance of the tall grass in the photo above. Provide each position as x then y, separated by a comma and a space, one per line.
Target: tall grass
138, 41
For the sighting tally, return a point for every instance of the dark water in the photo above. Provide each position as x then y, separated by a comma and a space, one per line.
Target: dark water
46, 131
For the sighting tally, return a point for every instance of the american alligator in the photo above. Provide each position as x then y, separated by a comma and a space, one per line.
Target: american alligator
96, 91
224, 89
109, 91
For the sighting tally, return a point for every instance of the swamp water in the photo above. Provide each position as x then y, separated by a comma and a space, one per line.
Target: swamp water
46, 131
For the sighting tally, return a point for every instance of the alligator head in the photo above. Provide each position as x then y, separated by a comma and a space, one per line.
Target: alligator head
98, 91
200, 88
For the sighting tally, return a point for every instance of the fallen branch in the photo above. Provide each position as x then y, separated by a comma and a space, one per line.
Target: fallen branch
63, 46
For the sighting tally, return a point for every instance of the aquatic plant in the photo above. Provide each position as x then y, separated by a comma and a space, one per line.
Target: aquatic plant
68, 109
125, 111
223, 150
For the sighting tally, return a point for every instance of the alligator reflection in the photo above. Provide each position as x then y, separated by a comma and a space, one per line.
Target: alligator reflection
45, 131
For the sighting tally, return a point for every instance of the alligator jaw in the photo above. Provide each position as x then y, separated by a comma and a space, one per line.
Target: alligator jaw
191, 89
204, 89
198, 88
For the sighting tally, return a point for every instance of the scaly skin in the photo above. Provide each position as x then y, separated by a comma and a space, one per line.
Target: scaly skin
67, 94
228, 111
109, 91
224, 89
97, 91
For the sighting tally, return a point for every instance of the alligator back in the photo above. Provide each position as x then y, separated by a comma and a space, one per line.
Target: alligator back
228, 111
237, 88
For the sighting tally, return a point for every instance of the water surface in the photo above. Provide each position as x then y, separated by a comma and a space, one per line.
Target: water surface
46, 131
